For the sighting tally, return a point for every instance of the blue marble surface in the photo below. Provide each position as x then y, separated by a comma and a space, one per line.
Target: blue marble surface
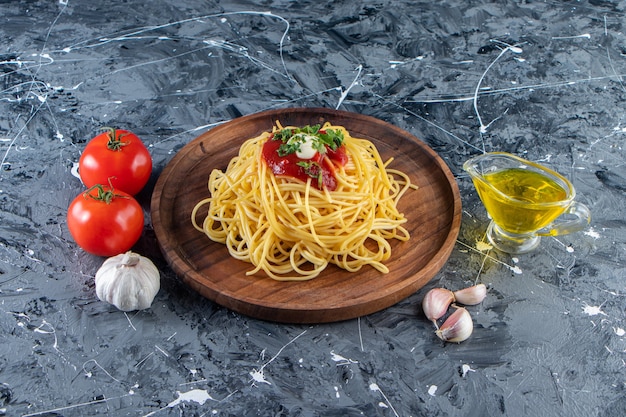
541, 79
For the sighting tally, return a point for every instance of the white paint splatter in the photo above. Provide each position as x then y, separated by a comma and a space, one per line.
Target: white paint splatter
516, 269
593, 310
258, 376
89, 374
432, 390
465, 368
199, 396
160, 349
55, 411
344, 93
619, 331
74, 170
51, 331
374, 387
340, 359
546, 158
592, 233
394, 64
584, 35
514, 49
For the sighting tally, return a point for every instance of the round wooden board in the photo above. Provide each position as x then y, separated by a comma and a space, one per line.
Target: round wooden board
433, 212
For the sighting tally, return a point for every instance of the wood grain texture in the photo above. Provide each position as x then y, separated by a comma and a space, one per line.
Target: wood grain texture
433, 212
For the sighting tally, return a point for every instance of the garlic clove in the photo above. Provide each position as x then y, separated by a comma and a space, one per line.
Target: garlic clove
471, 295
436, 303
457, 328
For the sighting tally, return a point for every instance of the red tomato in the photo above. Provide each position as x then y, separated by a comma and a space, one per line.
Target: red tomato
116, 157
105, 222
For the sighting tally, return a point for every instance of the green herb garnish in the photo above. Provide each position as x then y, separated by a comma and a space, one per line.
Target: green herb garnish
292, 139
313, 170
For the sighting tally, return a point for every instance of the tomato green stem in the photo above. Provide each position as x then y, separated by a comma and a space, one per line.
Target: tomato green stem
106, 196
115, 141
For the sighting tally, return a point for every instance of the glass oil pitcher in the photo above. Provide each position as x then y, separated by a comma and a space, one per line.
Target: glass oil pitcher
525, 201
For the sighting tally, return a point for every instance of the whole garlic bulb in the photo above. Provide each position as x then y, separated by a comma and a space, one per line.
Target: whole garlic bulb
128, 281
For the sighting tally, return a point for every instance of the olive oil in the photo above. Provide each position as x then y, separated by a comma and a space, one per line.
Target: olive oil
524, 200
526, 204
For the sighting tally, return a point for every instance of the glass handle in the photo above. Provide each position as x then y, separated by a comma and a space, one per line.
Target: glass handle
582, 218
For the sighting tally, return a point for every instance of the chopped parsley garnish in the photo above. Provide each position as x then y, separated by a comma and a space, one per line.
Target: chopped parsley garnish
313, 170
292, 139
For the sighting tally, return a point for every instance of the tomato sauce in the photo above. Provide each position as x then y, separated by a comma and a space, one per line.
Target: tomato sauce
288, 165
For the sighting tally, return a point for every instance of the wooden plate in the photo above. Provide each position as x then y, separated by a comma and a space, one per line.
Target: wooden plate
433, 212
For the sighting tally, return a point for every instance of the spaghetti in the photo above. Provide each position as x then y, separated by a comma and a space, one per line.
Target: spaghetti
292, 229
